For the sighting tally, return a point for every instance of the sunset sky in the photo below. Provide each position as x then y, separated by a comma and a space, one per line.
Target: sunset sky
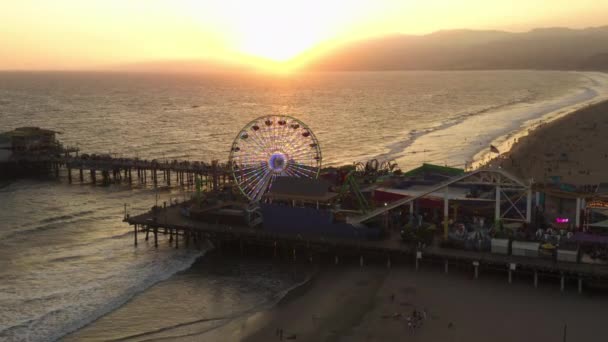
76, 34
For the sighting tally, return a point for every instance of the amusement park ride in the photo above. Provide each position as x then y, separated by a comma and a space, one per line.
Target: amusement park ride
270, 147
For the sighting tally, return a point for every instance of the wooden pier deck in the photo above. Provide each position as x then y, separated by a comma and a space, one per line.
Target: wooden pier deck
390, 249
133, 170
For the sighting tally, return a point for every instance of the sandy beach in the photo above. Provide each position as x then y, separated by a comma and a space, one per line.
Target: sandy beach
573, 148
373, 303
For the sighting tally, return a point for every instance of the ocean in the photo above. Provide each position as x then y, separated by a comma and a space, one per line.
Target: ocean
67, 262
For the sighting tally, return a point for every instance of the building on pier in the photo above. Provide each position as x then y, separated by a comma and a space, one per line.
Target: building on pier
29, 140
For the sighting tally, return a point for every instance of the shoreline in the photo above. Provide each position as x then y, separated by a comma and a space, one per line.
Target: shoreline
571, 147
506, 142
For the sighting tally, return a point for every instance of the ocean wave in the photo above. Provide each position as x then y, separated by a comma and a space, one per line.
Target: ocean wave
397, 149
222, 321
55, 223
70, 316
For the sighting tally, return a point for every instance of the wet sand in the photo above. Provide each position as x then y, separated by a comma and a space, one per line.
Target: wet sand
574, 148
358, 305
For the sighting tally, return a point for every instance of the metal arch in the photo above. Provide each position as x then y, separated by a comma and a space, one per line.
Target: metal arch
481, 175
253, 178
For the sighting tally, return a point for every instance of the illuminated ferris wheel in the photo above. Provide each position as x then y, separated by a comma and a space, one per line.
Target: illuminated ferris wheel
273, 146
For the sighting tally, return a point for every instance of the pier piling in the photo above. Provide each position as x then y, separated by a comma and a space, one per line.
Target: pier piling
135, 235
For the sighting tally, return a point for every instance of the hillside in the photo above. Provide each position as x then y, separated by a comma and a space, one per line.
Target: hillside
548, 48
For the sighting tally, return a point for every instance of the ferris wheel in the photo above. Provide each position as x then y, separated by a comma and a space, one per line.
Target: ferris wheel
269, 147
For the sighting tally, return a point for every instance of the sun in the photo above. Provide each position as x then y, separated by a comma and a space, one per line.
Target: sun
279, 30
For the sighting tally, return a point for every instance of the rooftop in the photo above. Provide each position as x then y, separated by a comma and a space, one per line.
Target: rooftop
28, 131
303, 189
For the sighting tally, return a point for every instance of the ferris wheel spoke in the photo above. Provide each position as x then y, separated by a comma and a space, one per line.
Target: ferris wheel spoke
291, 173
252, 176
302, 172
252, 179
266, 136
303, 168
303, 152
262, 185
262, 145
299, 174
253, 171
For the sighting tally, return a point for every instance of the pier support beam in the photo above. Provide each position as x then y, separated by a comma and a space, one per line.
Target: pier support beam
69, 175
529, 206
497, 205
476, 266
446, 213
135, 236
176, 239
578, 214
155, 237
361, 261
535, 279
580, 284
446, 266
510, 276
81, 176
562, 283
418, 257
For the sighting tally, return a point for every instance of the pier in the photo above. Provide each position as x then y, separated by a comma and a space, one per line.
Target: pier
34, 150
389, 250
108, 170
